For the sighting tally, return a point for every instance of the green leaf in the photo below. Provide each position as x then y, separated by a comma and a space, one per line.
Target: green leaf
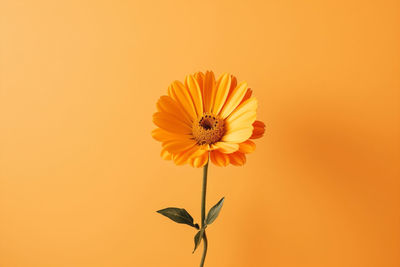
214, 212
178, 215
197, 239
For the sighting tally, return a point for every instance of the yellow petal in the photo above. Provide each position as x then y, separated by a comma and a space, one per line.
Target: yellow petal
169, 105
195, 92
237, 158
219, 158
234, 99
171, 123
226, 147
209, 91
246, 120
238, 136
177, 146
181, 94
201, 160
247, 146
165, 154
223, 87
246, 108
239, 124
248, 94
233, 84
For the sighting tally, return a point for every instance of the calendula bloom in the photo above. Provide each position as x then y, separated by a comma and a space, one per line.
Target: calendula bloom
202, 117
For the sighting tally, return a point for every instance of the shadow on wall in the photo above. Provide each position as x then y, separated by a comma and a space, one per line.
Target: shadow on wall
337, 141
329, 168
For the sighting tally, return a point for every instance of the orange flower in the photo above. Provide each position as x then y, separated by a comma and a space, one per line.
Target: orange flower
207, 117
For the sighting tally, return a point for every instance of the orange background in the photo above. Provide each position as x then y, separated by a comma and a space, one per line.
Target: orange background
81, 178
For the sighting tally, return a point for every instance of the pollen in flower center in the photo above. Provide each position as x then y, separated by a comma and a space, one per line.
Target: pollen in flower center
208, 129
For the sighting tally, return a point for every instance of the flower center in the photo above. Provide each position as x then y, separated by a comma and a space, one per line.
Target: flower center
208, 129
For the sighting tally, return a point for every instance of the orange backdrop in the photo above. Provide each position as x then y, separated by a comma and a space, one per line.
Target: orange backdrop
81, 178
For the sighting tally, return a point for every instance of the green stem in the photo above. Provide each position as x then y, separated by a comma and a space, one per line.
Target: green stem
203, 257
203, 213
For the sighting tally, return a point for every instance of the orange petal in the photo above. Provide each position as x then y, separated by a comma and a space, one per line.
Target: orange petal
181, 94
259, 129
169, 105
233, 85
165, 154
200, 80
163, 135
219, 158
185, 156
195, 92
247, 95
177, 146
237, 158
247, 146
223, 86
209, 91
170, 123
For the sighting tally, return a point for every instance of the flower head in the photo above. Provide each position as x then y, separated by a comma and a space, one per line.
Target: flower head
203, 117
